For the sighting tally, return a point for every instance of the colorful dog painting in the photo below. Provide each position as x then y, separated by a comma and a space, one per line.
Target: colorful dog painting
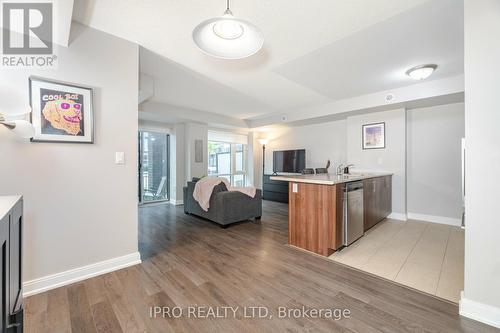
65, 115
61, 112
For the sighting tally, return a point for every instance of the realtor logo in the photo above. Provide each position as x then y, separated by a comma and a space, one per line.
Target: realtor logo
27, 34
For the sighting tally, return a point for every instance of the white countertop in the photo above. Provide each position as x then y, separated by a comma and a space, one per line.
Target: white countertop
329, 179
6, 204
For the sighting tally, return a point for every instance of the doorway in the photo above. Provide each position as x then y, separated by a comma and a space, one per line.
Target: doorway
153, 167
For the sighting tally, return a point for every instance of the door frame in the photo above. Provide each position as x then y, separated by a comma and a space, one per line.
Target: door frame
140, 153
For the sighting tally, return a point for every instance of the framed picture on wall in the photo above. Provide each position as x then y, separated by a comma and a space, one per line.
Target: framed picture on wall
374, 136
61, 112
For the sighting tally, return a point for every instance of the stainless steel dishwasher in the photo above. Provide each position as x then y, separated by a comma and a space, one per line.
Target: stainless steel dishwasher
353, 213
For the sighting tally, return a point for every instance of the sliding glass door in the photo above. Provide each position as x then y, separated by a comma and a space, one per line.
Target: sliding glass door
154, 167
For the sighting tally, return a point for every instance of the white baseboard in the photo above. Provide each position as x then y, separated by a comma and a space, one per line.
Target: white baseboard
57, 280
435, 219
397, 216
176, 202
487, 314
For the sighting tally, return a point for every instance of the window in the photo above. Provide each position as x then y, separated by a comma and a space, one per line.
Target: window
228, 160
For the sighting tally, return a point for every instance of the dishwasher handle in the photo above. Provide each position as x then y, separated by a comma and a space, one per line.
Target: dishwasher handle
353, 186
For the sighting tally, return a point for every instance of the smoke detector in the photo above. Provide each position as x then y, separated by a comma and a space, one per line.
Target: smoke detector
389, 98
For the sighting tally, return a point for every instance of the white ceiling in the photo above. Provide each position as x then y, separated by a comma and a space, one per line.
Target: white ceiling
315, 52
377, 58
177, 85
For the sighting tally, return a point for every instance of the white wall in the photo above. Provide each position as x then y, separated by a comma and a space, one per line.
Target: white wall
182, 159
322, 142
251, 160
195, 132
80, 208
482, 118
178, 163
434, 179
434, 168
391, 159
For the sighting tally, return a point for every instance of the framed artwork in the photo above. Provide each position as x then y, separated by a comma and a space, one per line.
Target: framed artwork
374, 136
61, 112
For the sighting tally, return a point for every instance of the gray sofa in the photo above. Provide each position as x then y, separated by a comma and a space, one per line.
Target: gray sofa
225, 207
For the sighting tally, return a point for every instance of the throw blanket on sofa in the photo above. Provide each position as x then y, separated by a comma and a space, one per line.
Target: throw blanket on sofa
205, 186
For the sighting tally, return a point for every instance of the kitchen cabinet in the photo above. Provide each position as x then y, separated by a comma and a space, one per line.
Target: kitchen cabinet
4, 264
11, 225
314, 216
317, 206
377, 200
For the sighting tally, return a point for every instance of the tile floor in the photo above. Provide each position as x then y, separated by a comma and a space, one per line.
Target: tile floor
425, 256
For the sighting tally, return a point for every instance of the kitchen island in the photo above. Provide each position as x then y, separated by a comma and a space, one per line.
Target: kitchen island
317, 209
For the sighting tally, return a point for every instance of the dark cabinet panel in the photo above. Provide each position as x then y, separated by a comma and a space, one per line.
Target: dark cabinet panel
377, 197
386, 196
369, 203
16, 264
11, 225
274, 190
4, 264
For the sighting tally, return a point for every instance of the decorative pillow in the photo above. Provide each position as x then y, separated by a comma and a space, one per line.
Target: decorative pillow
219, 188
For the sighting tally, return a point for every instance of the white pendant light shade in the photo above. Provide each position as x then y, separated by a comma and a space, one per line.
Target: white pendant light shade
23, 128
227, 37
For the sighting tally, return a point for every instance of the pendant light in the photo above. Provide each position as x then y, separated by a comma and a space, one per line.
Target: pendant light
226, 37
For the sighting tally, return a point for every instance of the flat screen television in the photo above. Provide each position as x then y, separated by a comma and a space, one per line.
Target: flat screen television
291, 161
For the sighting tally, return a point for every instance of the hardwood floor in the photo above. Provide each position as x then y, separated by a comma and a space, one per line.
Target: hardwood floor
191, 262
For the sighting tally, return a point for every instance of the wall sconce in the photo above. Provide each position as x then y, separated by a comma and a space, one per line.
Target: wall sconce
19, 127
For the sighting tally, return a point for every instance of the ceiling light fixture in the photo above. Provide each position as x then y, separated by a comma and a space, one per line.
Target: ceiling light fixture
227, 37
421, 72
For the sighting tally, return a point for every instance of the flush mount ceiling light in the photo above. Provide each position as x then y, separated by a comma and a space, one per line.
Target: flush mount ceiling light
421, 72
226, 37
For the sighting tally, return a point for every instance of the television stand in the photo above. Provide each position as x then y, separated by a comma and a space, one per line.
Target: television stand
274, 190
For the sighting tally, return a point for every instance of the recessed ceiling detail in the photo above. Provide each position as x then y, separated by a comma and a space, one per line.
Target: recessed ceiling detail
315, 51
377, 58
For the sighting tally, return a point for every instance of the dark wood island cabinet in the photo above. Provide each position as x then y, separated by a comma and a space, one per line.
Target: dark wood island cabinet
317, 208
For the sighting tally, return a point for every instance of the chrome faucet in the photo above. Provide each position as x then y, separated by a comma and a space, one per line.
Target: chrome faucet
340, 169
